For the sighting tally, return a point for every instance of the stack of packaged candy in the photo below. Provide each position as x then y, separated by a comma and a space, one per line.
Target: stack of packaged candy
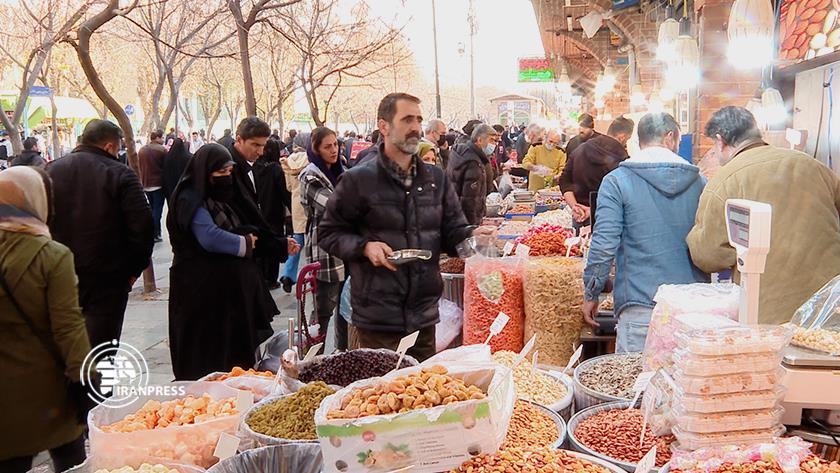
728, 386
786, 454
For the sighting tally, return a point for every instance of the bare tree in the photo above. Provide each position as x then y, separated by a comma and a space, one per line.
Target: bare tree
29, 51
277, 62
257, 13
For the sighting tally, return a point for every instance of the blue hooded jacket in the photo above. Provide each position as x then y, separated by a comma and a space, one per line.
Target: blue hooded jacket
645, 210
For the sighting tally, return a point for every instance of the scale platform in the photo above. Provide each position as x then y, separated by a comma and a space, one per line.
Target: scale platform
813, 382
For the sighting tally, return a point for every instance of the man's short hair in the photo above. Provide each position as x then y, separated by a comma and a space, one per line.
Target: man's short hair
388, 106
195, 133
433, 124
499, 129
586, 121
654, 126
98, 132
534, 128
374, 136
735, 125
253, 127
621, 125
480, 131
227, 131
30, 143
156, 135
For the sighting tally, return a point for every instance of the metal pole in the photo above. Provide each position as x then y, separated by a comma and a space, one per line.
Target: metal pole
437, 71
472, 59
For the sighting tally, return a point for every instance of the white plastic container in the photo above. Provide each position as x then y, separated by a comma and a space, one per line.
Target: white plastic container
727, 421
700, 365
695, 441
735, 340
730, 383
741, 401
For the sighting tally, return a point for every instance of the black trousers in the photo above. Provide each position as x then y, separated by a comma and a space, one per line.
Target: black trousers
327, 297
270, 269
103, 304
64, 457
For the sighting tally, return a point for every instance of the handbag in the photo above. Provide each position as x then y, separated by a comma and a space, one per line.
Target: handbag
76, 391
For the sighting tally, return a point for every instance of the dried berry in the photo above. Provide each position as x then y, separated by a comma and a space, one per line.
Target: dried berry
346, 368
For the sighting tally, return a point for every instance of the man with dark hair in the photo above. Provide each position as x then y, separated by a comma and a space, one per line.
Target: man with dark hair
645, 209
393, 202
291, 142
102, 215
586, 130
31, 155
151, 176
375, 138
170, 137
805, 196
590, 162
226, 140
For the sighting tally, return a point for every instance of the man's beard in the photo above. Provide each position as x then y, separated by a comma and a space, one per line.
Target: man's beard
409, 145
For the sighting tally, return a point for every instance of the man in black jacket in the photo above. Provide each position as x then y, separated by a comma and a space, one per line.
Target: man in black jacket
391, 202
102, 215
467, 170
31, 155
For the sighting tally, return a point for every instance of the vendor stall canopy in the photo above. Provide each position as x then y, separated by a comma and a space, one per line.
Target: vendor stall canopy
39, 108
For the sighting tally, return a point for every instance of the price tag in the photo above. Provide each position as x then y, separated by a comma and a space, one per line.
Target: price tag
244, 400
226, 446
525, 350
574, 359
647, 462
497, 326
640, 385
570, 242
649, 401
507, 249
313, 350
523, 250
407, 342
534, 363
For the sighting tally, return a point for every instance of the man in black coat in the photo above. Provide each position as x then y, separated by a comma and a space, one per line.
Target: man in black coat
31, 155
226, 140
585, 132
102, 215
393, 201
468, 167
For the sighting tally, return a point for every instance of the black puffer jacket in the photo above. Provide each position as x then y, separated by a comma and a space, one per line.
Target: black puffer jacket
467, 170
371, 205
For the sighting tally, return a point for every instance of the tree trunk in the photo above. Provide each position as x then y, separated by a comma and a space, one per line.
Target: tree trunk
56, 144
82, 48
242, 32
281, 122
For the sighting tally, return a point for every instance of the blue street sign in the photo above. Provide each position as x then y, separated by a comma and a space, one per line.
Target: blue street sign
129, 109
40, 91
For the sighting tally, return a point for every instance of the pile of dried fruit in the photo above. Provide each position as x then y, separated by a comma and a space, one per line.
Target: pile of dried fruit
810, 465
522, 209
616, 433
237, 371
808, 28
548, 240
184, 411
452, 266
346, 368
291, 417
144, 468
560, 217
532, 460
818, 339
530, 427
493, 285
613, 375
532, 385
427, 388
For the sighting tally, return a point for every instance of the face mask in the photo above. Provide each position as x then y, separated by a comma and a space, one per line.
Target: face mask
221, 188
488, 150
441, 140
549, 146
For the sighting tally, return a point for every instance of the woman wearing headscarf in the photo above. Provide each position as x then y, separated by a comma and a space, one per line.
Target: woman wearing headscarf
40, 369
174, 163
317, 184
292, 167
274, 199
219, 305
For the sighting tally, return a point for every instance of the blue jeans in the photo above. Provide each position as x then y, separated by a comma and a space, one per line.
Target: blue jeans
632, 329
290, 269
156, 200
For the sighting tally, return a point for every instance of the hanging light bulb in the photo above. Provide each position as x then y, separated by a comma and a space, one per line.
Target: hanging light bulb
669, 30
564, 82
609, 75
684, 71
637, 97
773, 107
750, 32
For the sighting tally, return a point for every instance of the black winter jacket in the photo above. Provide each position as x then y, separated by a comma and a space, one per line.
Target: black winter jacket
371, 205
101, 214
29, 158
467, 170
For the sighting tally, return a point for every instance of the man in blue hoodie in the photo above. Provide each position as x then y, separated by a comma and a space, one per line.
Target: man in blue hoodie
646, 208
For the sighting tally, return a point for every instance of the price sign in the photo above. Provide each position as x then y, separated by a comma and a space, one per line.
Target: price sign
407, 342
507, 249
226, 446
647, 462
497, 326
525, 350
574, 359
534, 363
523, 250
244, 400
313, 350
640, 385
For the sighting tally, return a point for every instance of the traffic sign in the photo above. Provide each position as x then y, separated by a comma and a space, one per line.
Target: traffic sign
129, 109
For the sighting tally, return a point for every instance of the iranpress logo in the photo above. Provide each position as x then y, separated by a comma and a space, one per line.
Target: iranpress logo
123, 370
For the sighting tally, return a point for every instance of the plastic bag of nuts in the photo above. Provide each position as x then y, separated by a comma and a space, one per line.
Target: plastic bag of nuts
553, 295
493, 285
817, 321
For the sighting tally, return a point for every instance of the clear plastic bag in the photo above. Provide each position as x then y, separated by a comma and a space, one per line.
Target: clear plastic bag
93, 465
450, 326
345, 307
734, 340
658, 404
261, 386
493, 285
817, 321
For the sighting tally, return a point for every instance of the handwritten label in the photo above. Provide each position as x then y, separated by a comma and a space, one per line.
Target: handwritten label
640, 385
226, 446
497, 326
407, 342
647, 462
574, 359
244, 400
507, 249
525, 350
523, 250
313, 350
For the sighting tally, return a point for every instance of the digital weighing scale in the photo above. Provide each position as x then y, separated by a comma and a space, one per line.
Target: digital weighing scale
812, 379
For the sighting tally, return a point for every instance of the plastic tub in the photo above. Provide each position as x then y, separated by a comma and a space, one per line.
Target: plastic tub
252, 439
91, 465
453, 288
289, 458
742, 401
701, 423
735, 340
695, 441
563, 406
561, 424
578, 446
700, 365
586, 397
730, 383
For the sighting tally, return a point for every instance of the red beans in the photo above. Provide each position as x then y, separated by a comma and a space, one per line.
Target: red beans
615, 433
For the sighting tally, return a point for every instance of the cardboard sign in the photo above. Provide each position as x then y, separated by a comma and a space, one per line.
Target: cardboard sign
497, 326
407, 342
244, 400
640, 385
574, 359
226, 446
313, 350
523, 250
525, 350
647, 462
507, 249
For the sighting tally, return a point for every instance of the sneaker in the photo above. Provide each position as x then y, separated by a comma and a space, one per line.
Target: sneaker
287, 284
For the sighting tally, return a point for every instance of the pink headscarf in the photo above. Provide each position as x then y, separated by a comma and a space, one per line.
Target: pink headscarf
24, 206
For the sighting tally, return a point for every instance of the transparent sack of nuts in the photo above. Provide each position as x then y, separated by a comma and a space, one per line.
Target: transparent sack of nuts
817, 322
261, 386
192, 444
94, 465
553, 295
493, 285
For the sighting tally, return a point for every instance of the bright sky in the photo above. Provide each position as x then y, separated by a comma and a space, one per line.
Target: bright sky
507, 30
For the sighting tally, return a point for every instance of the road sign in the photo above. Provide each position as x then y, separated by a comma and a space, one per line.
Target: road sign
40, 91
129, 109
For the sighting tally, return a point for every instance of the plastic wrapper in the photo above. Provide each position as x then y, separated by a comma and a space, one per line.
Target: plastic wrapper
695, 441
430, 440
345, 306
787, 452
553, 295
658, 403
817, 321
191, 444
252, 439
708, 423
494, 285
739, 401
735, 340
92, 465
683, 307
450, 326
730, 383
289, 458
261, 386
698, 365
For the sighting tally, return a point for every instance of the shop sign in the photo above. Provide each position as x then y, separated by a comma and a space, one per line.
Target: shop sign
40, 91
535, 70
620, 4
522, 106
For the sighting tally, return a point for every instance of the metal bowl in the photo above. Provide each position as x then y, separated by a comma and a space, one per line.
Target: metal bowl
561, 424
578, 446
587, 397
597, 461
